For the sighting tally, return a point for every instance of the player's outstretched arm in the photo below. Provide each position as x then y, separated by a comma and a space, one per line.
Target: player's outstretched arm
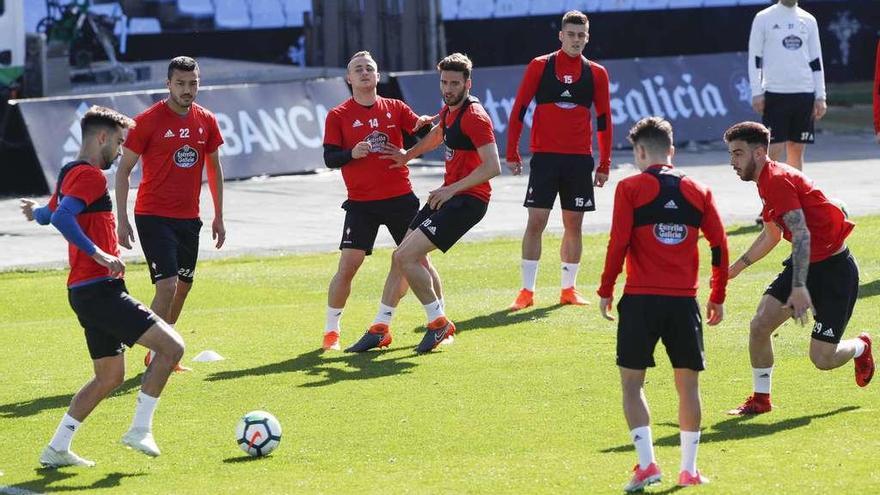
215, 183
490, 166
124, 232
430, 142
763, 244
32, 211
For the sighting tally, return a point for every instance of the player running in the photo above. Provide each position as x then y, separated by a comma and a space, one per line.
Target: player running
564, 85
82, 211
821, 274
175, 138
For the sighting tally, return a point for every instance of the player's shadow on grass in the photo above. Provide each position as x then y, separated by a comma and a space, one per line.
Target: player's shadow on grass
745, 229
49, 476
869, 289
36, 406
371, 364
738, 428
499, 318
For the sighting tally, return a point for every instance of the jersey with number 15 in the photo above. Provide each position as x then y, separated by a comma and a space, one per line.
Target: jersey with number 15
173, 149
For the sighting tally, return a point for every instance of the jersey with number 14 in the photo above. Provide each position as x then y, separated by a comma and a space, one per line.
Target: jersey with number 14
173, 148
370, 178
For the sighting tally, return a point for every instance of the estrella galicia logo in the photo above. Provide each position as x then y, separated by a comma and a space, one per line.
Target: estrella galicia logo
792, 42
186, 156
377, 141
670, 233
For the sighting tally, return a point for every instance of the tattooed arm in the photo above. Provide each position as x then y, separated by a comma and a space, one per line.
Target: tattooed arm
763, 244
799, 300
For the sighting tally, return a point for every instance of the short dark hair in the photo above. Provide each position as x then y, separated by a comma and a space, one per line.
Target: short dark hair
183, 64
97, 118
750, 132
654, 133
575, 17
457, 62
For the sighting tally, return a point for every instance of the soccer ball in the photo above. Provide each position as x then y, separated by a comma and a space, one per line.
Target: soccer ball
258, 433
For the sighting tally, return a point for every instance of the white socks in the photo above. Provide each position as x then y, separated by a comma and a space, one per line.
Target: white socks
384, 314
434, 310
333, 317
64, 433
761, 379
860, 347
569, 274
143, 412
529, 274
690, 440
641, 438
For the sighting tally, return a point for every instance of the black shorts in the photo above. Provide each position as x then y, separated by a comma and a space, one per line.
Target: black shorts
171, 245
570, 176
789, 117
644, 319
833, 284
110, 317
363, 218
444, 227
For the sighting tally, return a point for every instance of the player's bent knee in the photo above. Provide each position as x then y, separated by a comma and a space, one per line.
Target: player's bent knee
760, 329
823, 357
166, 286
110, 380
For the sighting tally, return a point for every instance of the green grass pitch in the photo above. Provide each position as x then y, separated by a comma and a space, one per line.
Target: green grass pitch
521, 403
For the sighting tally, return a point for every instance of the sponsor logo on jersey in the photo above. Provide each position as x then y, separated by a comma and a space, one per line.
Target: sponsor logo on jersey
186, 156
169, 133
670, 233
357, 123
792, 42
377, 140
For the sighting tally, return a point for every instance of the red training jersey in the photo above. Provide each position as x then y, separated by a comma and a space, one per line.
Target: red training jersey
476, 126
370, 178
560, 126
655, 228
173, 149
783, 188
87, 184
877, 91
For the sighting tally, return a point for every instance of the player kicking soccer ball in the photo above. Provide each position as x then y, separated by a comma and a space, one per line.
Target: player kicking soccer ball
81, 209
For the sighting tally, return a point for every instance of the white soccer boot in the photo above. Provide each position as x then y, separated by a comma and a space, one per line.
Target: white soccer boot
141, 439
51, 458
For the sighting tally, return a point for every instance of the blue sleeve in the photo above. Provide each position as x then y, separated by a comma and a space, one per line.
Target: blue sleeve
42, 215
64, 219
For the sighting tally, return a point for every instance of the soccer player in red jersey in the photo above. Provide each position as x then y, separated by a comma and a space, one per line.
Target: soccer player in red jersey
174, 138
658, 216
82, 211
461, 202
355, 134
564, 85
821, 274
